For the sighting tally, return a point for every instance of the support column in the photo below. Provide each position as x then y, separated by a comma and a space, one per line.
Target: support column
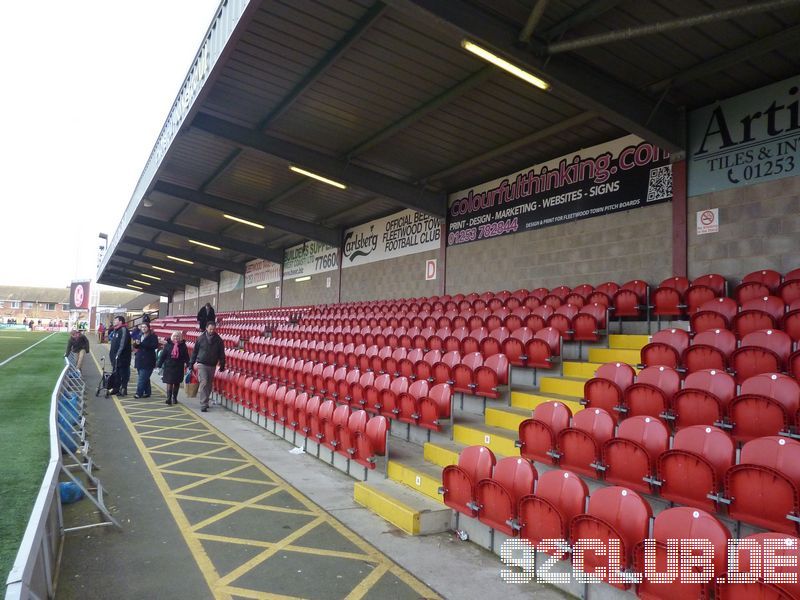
339, 269
441, 267
679, 208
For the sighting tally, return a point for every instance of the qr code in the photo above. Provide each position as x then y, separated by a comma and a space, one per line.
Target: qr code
660, 184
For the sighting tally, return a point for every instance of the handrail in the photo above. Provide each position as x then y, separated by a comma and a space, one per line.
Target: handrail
34, 571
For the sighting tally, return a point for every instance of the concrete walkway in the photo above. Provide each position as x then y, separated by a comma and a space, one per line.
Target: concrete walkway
205, 516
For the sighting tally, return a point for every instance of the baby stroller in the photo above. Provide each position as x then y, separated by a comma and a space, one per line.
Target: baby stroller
108, 381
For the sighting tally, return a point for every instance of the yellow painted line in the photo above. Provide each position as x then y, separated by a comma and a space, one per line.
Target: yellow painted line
366, 584
233, 503
207, 455
499, 444
604, 355
245, 593
210, 478
531, 401
194, 439
438, 455
506, 419
388, 508
565, 387
234, 509
416, 480
629, 342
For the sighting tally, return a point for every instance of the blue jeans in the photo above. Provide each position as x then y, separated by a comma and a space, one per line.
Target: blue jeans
143, 382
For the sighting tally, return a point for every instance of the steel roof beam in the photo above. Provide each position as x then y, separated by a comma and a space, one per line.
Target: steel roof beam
254, 250
178, 267
121, 282
403, 193
588, 12
730, 59
332, 237
572, 79
217, 263
351, 37
534, 18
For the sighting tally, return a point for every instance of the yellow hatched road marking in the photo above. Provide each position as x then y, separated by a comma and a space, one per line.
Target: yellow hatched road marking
220, 586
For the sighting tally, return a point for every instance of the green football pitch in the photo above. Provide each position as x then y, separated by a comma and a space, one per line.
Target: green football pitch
26, 385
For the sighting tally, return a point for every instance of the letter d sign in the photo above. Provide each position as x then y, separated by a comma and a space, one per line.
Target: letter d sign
430, 269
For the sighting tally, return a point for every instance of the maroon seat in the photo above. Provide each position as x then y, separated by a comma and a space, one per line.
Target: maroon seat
766, 405
498, 497
537, 435
703, 289
652, 393
475, 463
630, 458
371, 443
589, 325
665, 348
514, 346
710, 349
695, 466
435, 407
490, 376
605, 390
544, 349
717, 313
668, 297
561, 320
704, 399
631, 300
758, 313
578, 446
764, 351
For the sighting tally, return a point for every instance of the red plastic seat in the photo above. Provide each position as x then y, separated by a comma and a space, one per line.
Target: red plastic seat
320, 419
514, 346
709, 350
668, 297
756, 314
435, 407
589, 325
665, 348
790, 290
579, 445
408, 409
372, 442
764, 351
652, 393
704, 399
670, 526
390, 397
464, 373
372, 393
785, 548
498, 497
442, 371
717, 313
561, 320
763, 488
631, 300
544, 348
767, 277
695, 466
703, 289
546, 514
537, 435
605, 390
766, 405
490, 376
459, 481
630, 457
346, 444
614, 513
307, 418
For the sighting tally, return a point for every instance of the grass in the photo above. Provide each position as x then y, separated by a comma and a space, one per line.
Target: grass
12, 341
26, 384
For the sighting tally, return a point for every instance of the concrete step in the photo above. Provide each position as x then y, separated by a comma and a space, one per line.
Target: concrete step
530, 400
442, 453
580, 370
420, 476
498, 440
405, 509
506, 417
628, 342
567, 386
606, 355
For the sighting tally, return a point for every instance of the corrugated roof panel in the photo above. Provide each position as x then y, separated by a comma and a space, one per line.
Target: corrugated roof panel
253, 178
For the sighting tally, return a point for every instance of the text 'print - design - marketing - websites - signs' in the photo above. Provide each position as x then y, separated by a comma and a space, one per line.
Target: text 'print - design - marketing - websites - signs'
619, 175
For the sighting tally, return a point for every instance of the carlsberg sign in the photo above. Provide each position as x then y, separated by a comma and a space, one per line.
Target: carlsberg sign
400, 234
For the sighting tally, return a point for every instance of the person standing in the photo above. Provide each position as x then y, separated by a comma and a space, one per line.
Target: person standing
79, 344
173, 360
101, 332
120, 353
145, 360
208, 352
206, 315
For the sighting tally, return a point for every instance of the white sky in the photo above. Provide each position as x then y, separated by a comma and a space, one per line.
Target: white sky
86, 87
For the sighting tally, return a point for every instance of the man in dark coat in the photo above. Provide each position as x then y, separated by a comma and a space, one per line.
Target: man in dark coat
79, 344
206, 315
120, 353
208, 351
145, 360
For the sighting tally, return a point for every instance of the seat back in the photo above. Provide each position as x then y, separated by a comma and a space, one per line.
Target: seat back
516, 475
620, 373
664, 378
716, 382
477, 461
772, 339
712, 443
649, 432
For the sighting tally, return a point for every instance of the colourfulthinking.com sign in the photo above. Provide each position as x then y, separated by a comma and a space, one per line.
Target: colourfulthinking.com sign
619, 175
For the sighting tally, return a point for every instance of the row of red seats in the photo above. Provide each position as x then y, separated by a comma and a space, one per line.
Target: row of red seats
510, 496
767, 403
698, 469
762, 351
765, 312
354, 434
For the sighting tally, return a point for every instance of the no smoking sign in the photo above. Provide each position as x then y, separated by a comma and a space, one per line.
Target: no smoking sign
707, 221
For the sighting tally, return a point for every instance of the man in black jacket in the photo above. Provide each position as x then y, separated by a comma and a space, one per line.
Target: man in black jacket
205, 316
208, 352
145, 360
79, 344
120, 353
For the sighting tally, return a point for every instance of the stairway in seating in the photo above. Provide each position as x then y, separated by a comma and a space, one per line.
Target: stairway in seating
409, 497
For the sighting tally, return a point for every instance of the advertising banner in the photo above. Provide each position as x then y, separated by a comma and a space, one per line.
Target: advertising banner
619, 175
260, 271
750, 138
400, 234
208, 287
229, 281
308, 259
192, 292
79, 295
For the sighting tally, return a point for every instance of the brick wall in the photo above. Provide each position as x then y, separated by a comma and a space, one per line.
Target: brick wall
311, 292
617, 247
400, 277
759, 229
